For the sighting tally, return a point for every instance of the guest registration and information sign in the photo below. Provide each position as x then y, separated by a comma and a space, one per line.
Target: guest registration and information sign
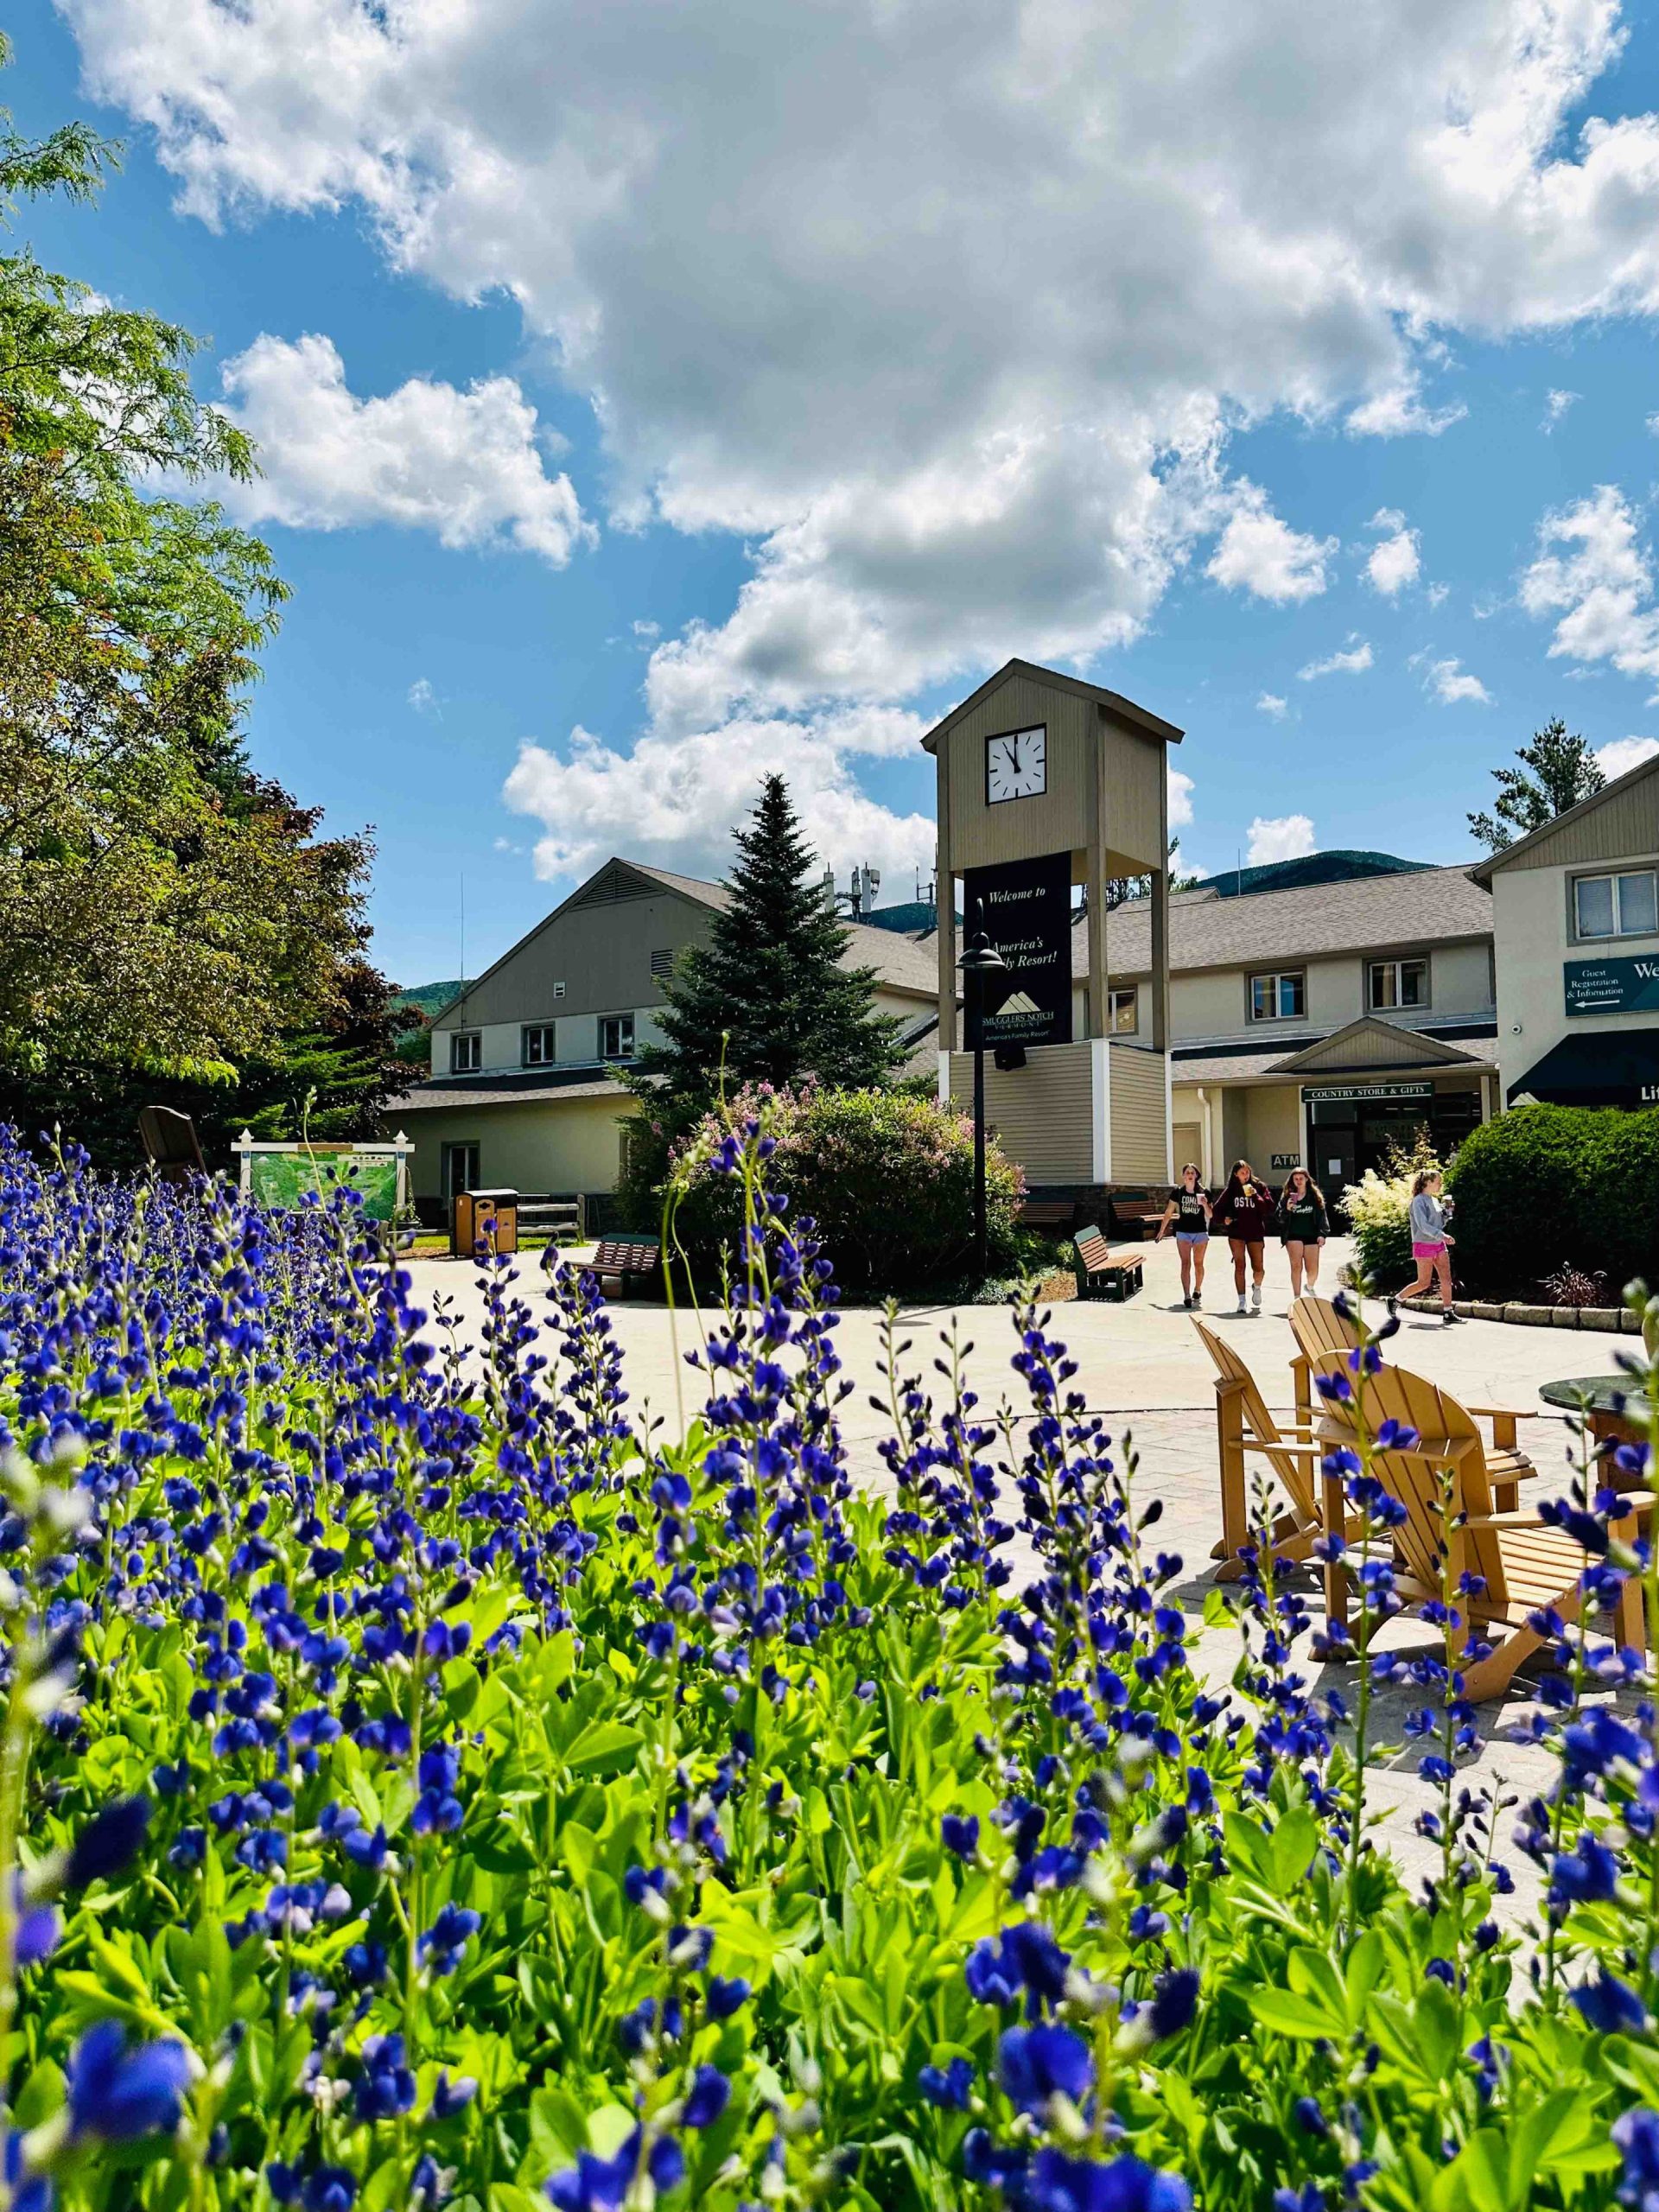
1613, 985
1024, 908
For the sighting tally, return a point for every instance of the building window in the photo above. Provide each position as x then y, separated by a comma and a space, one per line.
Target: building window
466, 1051
662, 964
538, 1044
1616, 906
1399, 983
459, 1169
616, 1036
1125, 1015
1281, 996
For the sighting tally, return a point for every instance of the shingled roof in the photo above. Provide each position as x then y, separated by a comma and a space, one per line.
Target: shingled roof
900, 961
1438, 905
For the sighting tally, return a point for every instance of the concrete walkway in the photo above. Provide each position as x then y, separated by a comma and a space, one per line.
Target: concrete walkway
1142, 1364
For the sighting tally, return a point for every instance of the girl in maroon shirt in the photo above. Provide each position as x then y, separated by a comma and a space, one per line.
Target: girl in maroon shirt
1243, 1215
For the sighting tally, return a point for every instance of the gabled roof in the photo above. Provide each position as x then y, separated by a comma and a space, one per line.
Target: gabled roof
900, 963
1483, 871
1370, 1042
1142, 718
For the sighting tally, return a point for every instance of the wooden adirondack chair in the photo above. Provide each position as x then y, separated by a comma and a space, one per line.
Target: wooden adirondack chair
1245, 1424
1526, 1567
1323, 1338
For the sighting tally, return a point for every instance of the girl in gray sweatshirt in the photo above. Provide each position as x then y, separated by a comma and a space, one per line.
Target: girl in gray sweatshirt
1430, 1245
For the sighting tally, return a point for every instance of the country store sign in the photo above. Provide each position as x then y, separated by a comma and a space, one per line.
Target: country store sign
1613, 986
1333, 1094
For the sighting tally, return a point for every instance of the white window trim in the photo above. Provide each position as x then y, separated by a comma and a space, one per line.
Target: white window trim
1132, 993
1606, 874
627, 1014
538, 1029
1397, 961
474, 1037
1276, 975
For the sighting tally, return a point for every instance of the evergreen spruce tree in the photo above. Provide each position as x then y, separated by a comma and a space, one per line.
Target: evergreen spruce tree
768, 996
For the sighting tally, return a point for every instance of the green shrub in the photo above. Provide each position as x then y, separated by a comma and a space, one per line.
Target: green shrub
1546, 1187
888, 1176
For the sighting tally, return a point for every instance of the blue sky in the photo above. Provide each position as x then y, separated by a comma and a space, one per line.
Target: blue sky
1139, 412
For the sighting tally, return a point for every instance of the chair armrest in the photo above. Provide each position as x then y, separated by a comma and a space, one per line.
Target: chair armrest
1630, 1501
1512, 1413
1291, 1450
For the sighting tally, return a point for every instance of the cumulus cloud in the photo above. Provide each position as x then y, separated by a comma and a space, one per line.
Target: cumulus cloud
1288, 837
1352, 660
1396, 560
1271, 704
1180, 800
954, 329
1450, 682
671, 799
1556, 405
1260, 554
1600, 585
465, 465
1621, 755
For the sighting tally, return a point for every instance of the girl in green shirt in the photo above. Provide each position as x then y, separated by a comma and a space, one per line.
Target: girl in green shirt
1303, 1227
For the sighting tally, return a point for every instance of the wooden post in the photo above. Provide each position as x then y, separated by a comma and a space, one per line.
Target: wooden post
1229, 1446
945, 903
1630, 1615
244, 1149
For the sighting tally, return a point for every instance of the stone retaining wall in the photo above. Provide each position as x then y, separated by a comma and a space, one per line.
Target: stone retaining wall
1613, 1320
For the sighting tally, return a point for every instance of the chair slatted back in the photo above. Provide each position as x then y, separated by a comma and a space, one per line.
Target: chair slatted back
1092, 1249
1293, 1473
1318, 1329
1395, 1394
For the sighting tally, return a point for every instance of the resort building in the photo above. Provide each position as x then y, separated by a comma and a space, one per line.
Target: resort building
521, 1096
1576, 916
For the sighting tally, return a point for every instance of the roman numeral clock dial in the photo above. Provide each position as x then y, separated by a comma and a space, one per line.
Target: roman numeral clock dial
1016, 766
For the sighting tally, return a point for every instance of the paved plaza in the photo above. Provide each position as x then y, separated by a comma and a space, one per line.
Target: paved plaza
1142, 1364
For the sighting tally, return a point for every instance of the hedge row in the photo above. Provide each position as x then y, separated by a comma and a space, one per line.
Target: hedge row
1547, 1186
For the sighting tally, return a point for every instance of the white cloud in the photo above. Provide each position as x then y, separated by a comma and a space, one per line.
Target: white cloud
1555, 406
1180, 800
1273, 706
951, 327
673, 799
422, 696
465, 465
647, 630
1450, 683
1601, 586
1396, 560
1436, 595
1288, 838
1353, 660
1260, 554
1653, 426
1621, 755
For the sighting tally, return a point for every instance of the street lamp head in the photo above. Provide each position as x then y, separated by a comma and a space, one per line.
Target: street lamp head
979, 956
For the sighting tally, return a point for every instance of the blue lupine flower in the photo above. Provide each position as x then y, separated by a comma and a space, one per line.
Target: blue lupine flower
1611, 2006
1636, 2136
960, 1833
27, 2192
723, 1998
444, 1943
1058, 2183
121, 2093
950, 2087
385, 2087
595, 2184
450, 2097
707, 2098
109, 1841
1041, 2063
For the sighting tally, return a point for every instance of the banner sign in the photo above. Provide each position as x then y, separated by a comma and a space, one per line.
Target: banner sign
1024, 908
1330, 1095
1613, 986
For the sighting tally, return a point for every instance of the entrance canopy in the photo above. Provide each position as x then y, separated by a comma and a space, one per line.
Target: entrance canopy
1611, 1068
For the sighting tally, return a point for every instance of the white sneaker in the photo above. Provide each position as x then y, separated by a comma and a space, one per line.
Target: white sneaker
1256, 1299
1242, 1306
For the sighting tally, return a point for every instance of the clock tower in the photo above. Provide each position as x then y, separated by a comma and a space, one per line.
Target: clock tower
1048, 789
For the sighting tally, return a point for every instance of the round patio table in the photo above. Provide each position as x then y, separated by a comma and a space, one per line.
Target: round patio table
1602, 1399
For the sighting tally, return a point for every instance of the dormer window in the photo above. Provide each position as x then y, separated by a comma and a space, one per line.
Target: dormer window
466, 1051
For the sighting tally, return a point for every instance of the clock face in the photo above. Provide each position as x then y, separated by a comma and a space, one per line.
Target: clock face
1016, 766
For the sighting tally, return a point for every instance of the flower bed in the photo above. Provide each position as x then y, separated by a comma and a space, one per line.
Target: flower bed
423, 1789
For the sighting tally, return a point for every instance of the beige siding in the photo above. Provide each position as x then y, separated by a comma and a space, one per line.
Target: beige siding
1207, 1005
548, 1146
1373, 1048
1139, 1124
1461, 979
1273, 1122
1039, 1113
1531, 908
1628, 823
1136, 767
600, 953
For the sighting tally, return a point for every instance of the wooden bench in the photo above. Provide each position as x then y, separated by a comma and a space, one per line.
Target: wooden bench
622, 1262
1047, 1213
1114, 1276
1137, 1213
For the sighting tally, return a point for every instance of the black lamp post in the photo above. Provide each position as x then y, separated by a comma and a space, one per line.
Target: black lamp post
980, 958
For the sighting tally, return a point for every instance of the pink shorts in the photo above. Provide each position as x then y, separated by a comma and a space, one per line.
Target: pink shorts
1426, 1251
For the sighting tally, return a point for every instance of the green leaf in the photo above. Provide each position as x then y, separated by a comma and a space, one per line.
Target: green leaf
1289, 2015
603, 1747
1292, 1847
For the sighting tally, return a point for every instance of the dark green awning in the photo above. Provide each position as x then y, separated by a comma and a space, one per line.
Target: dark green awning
1611, 1068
